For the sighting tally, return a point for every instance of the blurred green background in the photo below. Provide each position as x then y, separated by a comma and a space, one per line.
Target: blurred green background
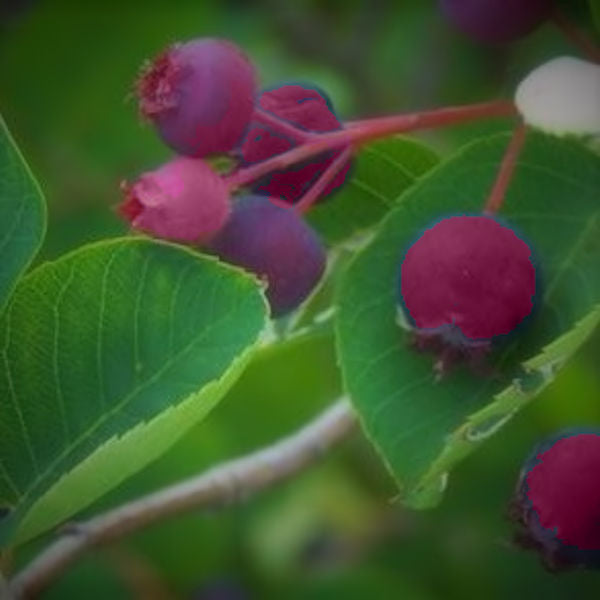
66, 71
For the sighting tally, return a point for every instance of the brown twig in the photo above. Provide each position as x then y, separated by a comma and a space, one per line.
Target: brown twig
220, 486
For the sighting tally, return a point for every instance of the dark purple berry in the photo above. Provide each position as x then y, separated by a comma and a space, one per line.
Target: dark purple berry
466, 280
556, 505
183, 200
306, 109
199, 95
496, 21
275, 244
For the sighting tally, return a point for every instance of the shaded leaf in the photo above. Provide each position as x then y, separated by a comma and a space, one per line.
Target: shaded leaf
381, 172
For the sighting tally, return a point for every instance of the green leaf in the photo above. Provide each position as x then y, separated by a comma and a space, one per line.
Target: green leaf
380, 173
22, 215
595, 10
423, 427
108, 356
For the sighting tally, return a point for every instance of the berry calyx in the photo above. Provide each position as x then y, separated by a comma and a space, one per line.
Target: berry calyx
466, 280
496, 21
305, 109
556, 505
184, 200
199, 95
275, 244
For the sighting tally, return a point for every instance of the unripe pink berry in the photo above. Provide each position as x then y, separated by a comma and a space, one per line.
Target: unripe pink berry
306, 109
183, 200
199, 95
471, 273
557, 500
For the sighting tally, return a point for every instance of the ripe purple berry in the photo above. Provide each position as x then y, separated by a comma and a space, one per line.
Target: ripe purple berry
496, 21
183, 200
276, 244
199, 95
466, 280
556, 505
306, 109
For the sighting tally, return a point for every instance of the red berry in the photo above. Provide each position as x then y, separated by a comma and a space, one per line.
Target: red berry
469, 273
307, 110
274, 243
200, 95
557, 501
496, 21
183, 200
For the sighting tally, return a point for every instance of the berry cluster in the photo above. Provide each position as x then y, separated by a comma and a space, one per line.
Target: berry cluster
467, 281
202, 98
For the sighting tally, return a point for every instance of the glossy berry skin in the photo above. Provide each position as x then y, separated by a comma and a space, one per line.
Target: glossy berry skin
275, 244
496, 21
183, 200
199, 95
307, 110
470, 273
556, 505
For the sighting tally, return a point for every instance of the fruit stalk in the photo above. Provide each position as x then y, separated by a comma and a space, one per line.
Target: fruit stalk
312, 195
264, 117
506, 170
360, 132
575, 35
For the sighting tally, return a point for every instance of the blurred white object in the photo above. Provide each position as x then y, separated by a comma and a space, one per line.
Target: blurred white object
562, 96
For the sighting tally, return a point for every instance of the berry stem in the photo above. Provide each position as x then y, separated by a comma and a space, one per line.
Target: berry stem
575, 35
312, 195
507, 168
281, 125
360, 132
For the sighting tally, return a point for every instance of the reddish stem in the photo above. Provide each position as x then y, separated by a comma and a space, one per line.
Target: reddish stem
577, 36
359, 132
312, 195
281, 125
507, 168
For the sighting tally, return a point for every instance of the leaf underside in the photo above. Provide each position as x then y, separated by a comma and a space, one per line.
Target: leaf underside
423, 427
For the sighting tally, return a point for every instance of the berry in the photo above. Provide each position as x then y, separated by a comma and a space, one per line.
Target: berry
466, 280
276, 244
307, 110
556, 505
562, 96
199, 95
496, 21
183, 200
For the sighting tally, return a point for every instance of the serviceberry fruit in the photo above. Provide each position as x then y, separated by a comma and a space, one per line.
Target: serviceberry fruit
307, 110
275, 244
466, 280
199, 95
556, 504
183, 200
496, 21
562, 97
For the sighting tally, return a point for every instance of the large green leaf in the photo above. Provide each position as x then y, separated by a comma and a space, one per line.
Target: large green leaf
380, 173
22, 214
109, 355
421, 426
